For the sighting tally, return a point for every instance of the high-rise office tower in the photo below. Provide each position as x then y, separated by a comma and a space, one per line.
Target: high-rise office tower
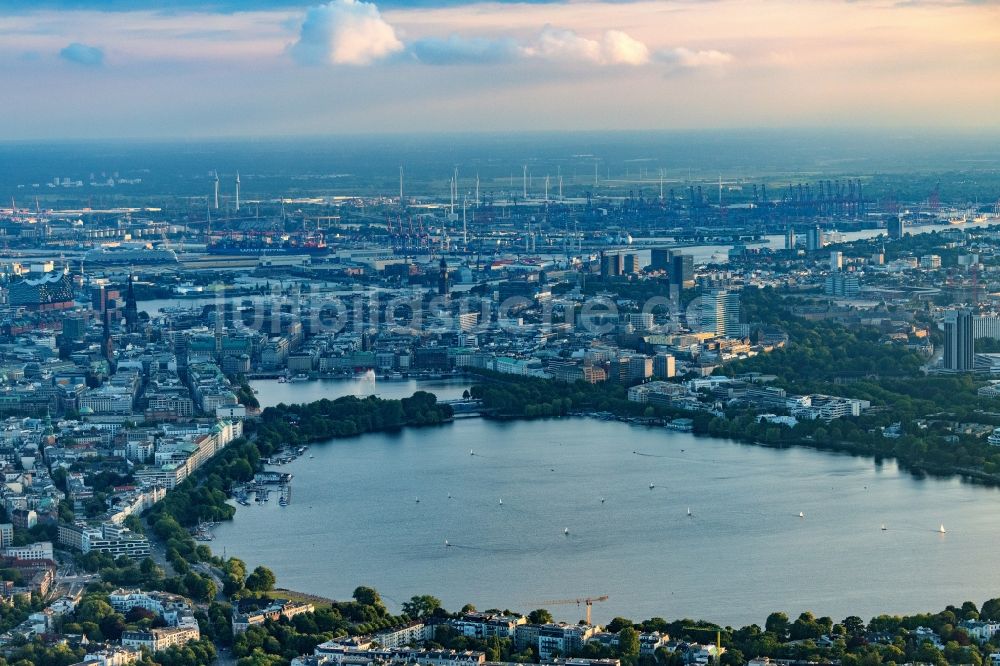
896, 227
682, 270
790, 239
720, 313
814, 239
958, 340
836, 260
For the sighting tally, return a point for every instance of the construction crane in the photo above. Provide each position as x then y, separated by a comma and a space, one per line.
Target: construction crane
588, 601
718, 640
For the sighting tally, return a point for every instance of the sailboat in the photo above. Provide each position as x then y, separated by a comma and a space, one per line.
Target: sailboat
446, 544
566, 530
801, 515
471, 452
689, 512
651, 486
501, 501
602, 500
449, 495
418, 500
942, 530
883, 527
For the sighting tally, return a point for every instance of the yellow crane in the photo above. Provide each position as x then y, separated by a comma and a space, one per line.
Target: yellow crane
718, 640
589, 601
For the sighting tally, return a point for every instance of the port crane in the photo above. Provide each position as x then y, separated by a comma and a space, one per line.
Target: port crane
718, 640
588, 601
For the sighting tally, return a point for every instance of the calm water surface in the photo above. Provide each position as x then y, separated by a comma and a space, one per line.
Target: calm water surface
354, 520
270, 392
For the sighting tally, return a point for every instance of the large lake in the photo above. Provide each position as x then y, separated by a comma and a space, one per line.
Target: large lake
271, 392
354, 520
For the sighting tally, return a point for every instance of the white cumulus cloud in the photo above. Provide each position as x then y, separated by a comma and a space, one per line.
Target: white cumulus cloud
620, 48
353, 32
615, 48
688, 58
560, 44
345, 32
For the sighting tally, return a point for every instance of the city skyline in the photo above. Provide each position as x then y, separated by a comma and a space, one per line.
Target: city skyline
87, 69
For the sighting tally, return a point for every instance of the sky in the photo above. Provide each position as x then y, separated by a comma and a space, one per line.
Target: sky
227, 68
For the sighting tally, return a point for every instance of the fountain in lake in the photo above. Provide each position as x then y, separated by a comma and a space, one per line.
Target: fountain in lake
365, 384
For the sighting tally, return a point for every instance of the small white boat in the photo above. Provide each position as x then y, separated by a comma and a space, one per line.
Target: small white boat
942, 530
565, 530
801, 515
446, 543
471, 452
689, 512
501, 501
651, 486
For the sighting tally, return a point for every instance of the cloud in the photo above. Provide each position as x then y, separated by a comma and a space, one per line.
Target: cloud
619, 48
559, 44
353, 32
81, 54
457, 50
615, 48
345, 32
689, 59
551, 44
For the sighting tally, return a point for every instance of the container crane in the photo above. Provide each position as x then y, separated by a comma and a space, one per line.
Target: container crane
718, 640
588, 601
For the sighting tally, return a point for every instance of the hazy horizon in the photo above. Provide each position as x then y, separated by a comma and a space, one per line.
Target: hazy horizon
894, 133
369, 164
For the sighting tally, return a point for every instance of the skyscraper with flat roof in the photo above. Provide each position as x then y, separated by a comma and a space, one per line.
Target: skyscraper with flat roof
896, 227
682, 270
958, 340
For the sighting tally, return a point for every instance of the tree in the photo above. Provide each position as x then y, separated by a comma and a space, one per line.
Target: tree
540, 616
201, 588
367, 596
733, 657
777, 624
93, 609
628, 642
134, 523
618, 623
990, 610
421, 606
150, 569
853, 625
231, 585
929, 654
260, 658
261, 580
112, 626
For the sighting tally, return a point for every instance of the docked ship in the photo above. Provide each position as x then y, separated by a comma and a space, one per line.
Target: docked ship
124, 255
262, 246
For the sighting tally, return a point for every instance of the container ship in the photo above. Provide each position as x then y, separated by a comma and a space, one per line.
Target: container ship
257, 247
130, 255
